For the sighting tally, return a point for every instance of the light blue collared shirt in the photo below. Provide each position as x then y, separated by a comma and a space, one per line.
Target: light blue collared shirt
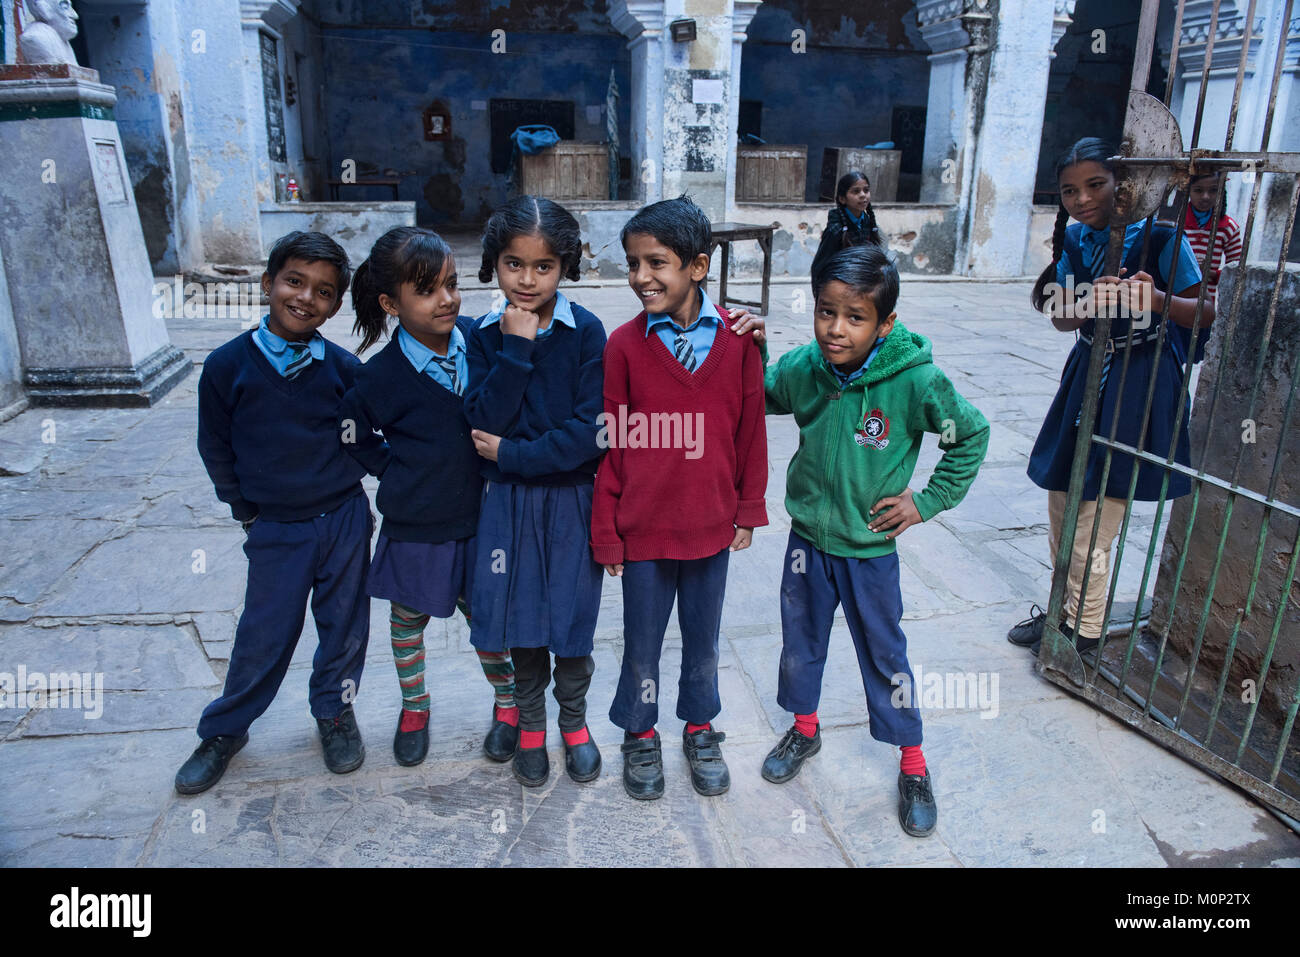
422, 358
1092, 244
699, 334
563, 312
278, 351
845, 379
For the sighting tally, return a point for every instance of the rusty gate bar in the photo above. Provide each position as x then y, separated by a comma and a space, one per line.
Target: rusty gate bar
1136, 704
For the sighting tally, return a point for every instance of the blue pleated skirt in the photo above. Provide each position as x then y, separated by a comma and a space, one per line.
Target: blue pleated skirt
1049, 463
421, 575
535, 584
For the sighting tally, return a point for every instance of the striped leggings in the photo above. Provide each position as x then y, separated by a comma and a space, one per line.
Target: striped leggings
407, 626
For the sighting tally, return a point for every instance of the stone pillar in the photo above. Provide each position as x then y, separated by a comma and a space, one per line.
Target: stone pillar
642, 21
984, 121
74, 255
742, 15
948, 112
263, 64
219, 130
12, 397
136, 50
1225, 439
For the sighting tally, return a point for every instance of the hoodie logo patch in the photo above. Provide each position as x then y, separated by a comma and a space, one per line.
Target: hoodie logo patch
874, 431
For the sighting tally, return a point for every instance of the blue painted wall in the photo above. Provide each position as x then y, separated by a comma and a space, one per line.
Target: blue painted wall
843, 89
379, 82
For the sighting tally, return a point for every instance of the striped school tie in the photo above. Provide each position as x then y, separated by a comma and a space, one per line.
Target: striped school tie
300, 358
448, 365
683, 351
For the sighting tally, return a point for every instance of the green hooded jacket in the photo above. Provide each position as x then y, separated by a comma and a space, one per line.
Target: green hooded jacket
859, 443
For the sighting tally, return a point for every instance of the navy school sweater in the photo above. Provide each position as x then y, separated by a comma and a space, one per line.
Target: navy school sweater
542, 397
270, 444
430, 489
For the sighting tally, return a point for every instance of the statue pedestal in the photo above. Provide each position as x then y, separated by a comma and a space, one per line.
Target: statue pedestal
74, 252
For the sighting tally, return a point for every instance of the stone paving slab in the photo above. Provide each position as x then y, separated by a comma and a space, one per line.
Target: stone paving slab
119, 560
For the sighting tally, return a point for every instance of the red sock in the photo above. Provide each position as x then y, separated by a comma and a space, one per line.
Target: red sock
643, 734
532, 739
913, 761
692, 728
573, 738
806, 724
509, 716
413, 720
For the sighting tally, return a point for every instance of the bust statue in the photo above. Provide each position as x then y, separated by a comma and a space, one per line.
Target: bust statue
50, 25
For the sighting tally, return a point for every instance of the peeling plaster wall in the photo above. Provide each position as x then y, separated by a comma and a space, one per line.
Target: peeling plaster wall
378, 83
859, 65
921, 237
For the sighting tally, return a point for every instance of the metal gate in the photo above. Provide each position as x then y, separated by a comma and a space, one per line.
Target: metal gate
1172, 681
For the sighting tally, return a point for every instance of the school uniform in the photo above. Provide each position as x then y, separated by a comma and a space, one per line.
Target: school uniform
429, 493
268, 438
535, 587
666, 509
844, 229
1053, 453
1050, 461
860, 436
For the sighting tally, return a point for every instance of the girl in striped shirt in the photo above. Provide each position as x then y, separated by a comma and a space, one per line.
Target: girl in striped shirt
1204, 195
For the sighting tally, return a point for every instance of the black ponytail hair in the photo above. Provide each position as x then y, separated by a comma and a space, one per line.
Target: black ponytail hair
842, 188
1090, 149
533, 216
403, 254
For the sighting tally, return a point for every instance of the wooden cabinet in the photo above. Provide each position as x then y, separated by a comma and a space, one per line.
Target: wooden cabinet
881, 166
771, 174
568, 170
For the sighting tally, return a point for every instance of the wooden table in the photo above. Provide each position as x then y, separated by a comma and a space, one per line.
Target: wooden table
334, 185
724, 234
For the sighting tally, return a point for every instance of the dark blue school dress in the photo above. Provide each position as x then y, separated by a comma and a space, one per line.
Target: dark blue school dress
1053, 454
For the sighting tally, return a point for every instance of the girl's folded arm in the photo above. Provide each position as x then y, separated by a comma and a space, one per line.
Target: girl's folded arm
497, 384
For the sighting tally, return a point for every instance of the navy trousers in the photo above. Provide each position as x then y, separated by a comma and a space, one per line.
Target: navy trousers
533, 675
649, 588
812, 586
326, 556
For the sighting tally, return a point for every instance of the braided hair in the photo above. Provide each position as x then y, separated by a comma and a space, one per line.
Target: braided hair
533, 216
1090, 149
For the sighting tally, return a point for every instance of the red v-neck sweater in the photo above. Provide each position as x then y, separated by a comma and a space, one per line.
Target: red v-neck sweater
687, 459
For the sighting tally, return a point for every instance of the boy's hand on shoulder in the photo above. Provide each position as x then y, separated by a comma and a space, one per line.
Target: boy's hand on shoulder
743, 321
516, 321
742, 539
486, 444
615, 571
901, 514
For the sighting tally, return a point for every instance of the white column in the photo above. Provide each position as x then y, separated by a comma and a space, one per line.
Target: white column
642, 21
742, 14
263, 17
947, 110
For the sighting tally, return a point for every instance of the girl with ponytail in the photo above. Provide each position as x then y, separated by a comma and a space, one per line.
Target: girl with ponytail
412, 392
535, 394
1068, 292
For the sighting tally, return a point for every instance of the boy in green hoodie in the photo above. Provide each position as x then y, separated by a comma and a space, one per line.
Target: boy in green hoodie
864, 393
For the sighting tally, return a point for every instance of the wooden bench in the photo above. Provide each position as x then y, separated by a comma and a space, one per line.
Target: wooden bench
724, 234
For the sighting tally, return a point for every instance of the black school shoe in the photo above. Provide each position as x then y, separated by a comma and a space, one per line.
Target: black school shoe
784, 761
709, 774
340, 739
643, 767
582, 761
917, 811
531, 766
501, 741
1081, 644
204, 767
1029, 631
410, 747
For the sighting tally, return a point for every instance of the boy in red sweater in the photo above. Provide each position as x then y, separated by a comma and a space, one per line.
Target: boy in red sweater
681, 486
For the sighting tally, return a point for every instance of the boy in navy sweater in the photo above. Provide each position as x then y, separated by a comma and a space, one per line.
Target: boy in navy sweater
268, 435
